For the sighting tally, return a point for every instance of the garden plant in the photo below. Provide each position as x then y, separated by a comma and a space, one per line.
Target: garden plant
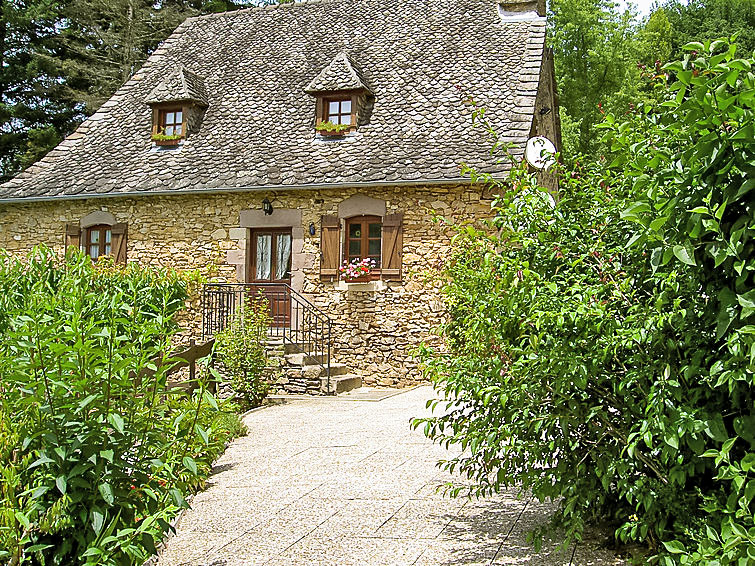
601, 345
240, 348
97, 455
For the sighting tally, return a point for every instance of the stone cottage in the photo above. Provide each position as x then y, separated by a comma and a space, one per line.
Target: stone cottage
271, 145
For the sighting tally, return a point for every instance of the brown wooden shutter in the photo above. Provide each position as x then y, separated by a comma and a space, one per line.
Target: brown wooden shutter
393, 241
329, 246
119, 234
73, 236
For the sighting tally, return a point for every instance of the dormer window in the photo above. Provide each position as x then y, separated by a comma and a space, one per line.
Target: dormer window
178, 103
341, 96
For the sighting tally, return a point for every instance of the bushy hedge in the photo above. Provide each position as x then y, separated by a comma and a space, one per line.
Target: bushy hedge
602, 347
96, 455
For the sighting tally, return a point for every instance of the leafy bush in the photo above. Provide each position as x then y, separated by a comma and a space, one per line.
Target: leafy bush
600, 348
94, 459
240, 347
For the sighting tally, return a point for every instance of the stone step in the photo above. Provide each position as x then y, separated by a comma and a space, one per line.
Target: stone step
305, 359
316, 370
341, 383
299, 347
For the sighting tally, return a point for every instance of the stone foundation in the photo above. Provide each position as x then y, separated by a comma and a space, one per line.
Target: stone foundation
376, 326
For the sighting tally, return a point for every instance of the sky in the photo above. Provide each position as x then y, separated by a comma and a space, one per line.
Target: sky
642, 5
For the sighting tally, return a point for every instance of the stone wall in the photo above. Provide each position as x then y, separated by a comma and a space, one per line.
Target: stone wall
375, 330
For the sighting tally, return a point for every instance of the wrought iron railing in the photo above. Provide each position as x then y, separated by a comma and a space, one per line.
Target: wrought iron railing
294, 319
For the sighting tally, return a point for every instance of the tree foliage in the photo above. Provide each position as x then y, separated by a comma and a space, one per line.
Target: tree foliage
602, 347
701, 20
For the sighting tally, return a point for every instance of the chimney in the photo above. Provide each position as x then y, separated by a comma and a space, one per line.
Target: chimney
521, 7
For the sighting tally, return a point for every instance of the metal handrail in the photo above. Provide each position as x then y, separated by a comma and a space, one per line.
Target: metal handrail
294, 318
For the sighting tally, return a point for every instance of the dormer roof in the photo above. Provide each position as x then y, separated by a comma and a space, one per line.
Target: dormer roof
339, 75
180, 85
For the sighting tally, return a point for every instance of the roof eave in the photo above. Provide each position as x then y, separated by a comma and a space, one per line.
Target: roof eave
251, 188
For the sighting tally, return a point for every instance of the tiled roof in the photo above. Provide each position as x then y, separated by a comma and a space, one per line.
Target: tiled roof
179, 85
339, 75
420, 58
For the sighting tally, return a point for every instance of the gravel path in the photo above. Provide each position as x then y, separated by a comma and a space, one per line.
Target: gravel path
338, 481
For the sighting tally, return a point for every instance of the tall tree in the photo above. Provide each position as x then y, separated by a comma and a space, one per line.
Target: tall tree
594, 57
32, 106
61, 59
701, 20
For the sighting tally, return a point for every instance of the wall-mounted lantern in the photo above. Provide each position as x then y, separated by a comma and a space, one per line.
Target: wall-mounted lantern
267, 207
311, 228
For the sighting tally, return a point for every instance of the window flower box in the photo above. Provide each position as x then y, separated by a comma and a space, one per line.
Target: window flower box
331, 129
376, 285
166, 141
357, 270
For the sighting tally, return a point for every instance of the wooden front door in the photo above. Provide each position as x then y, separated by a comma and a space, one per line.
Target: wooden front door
271, 265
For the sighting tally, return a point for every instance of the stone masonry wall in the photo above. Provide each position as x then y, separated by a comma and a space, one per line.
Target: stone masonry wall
375, 331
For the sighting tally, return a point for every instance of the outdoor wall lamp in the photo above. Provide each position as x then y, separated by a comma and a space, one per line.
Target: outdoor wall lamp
267, 207
311, 228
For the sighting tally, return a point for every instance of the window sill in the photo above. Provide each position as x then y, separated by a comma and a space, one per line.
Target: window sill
377, 285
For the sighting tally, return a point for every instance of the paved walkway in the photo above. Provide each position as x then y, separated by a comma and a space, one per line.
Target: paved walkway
333, 481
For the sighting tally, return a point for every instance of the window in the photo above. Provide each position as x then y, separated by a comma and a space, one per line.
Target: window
170, 122
338, 111
364, 239
98, 241
377, 237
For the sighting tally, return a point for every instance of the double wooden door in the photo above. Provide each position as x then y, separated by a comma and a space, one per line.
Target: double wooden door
270, 265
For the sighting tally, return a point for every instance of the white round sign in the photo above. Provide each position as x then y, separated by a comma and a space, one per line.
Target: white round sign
539, 152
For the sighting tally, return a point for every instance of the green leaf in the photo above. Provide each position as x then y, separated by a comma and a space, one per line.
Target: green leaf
190, 464
117, 421
684, 254
727, 311
60, 483
716, 429
23, 519
107, 493
98, 519
674, 547
178, 498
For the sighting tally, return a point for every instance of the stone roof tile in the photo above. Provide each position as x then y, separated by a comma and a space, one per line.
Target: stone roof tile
421, 59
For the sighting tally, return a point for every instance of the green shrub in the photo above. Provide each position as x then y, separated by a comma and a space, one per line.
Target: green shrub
94, 460
601, 348
240, 347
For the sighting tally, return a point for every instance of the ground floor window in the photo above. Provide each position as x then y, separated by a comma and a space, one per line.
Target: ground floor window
98, 241
364, 239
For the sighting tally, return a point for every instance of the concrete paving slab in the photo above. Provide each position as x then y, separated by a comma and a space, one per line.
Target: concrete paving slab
329, 481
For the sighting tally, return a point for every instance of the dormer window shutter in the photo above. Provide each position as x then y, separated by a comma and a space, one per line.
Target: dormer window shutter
393, 243
330, 247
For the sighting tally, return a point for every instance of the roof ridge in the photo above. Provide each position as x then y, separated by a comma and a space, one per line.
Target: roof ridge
269, 7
